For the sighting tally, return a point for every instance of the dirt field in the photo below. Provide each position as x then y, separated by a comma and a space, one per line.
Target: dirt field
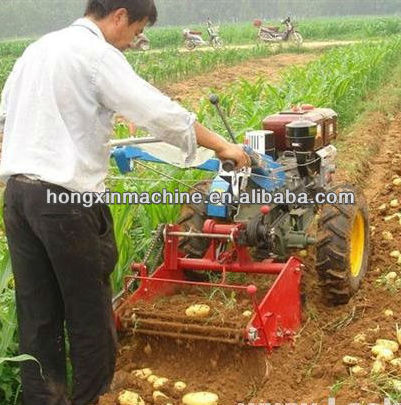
270, 68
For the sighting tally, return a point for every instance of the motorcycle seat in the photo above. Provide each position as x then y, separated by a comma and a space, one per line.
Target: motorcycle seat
275, 29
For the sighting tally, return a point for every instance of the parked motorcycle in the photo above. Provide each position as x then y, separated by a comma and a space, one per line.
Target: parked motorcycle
273, 34
141, 43
193, 39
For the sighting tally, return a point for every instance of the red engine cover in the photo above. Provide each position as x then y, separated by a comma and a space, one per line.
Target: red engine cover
325, 118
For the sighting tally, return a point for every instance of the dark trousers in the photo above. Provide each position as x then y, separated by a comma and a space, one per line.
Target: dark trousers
62, 256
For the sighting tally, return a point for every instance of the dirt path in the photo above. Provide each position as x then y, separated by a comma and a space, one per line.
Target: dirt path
309, 45
193, 89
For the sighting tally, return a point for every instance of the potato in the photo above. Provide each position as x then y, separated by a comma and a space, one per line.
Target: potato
200, 398
152, 378
397, 181
391, 217
143, 374
303, 253
383, 353
180, 386
394, 203
387, 235
360, 338
159, 383
391, 276
396, 362
388, 313
247, 314
358, 371
350, 361
389, 344
130, 398
378, 367
157, 395
395, 253
198, 311
383, 208
396, 385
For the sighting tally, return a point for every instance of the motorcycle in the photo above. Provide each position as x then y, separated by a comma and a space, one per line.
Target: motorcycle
273, 34
193, 39
141, 43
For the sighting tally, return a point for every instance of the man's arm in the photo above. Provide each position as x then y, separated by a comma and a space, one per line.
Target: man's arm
120, 89
224, 150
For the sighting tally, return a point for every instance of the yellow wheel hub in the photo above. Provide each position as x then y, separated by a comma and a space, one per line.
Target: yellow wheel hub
357, 244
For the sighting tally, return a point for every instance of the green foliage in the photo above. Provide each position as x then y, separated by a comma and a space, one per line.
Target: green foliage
172, 65
9, 379
338, 79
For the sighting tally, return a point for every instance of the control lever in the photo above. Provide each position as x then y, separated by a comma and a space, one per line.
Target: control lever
228, 165
214, 99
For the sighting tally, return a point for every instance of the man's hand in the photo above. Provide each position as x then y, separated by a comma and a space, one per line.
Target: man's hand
235, 153
224, 150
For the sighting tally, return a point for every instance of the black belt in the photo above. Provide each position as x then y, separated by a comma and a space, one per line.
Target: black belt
25, 179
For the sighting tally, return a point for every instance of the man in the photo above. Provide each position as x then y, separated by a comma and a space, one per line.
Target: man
56, 112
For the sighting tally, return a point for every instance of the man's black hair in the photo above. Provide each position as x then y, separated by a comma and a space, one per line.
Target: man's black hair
137, 9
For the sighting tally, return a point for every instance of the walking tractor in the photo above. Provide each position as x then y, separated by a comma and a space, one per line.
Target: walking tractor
214, 245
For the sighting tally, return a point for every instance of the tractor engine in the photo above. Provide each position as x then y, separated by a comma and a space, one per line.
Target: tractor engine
299, 141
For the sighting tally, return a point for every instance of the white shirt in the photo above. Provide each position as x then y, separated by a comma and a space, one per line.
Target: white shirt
57, 107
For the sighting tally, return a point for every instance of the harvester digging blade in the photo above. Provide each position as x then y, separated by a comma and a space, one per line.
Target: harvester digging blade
180, 327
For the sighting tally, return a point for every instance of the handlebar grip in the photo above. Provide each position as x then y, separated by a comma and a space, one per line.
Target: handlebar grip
214, 99
228, 165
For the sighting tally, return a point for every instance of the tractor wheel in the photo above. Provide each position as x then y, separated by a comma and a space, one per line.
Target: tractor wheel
192, 218
343, 247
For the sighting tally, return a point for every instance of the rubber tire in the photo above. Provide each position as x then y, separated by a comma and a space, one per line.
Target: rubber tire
190, 45
333, 248
297, 38
193, 217
217, 43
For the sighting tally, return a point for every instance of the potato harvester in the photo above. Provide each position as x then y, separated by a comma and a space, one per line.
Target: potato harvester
292, 153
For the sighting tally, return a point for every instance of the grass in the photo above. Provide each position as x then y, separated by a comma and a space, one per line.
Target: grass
392, 286
9, 380
387, 386
336, 387
339, 79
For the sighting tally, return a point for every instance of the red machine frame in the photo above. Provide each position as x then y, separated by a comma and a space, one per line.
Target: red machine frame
276, 317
